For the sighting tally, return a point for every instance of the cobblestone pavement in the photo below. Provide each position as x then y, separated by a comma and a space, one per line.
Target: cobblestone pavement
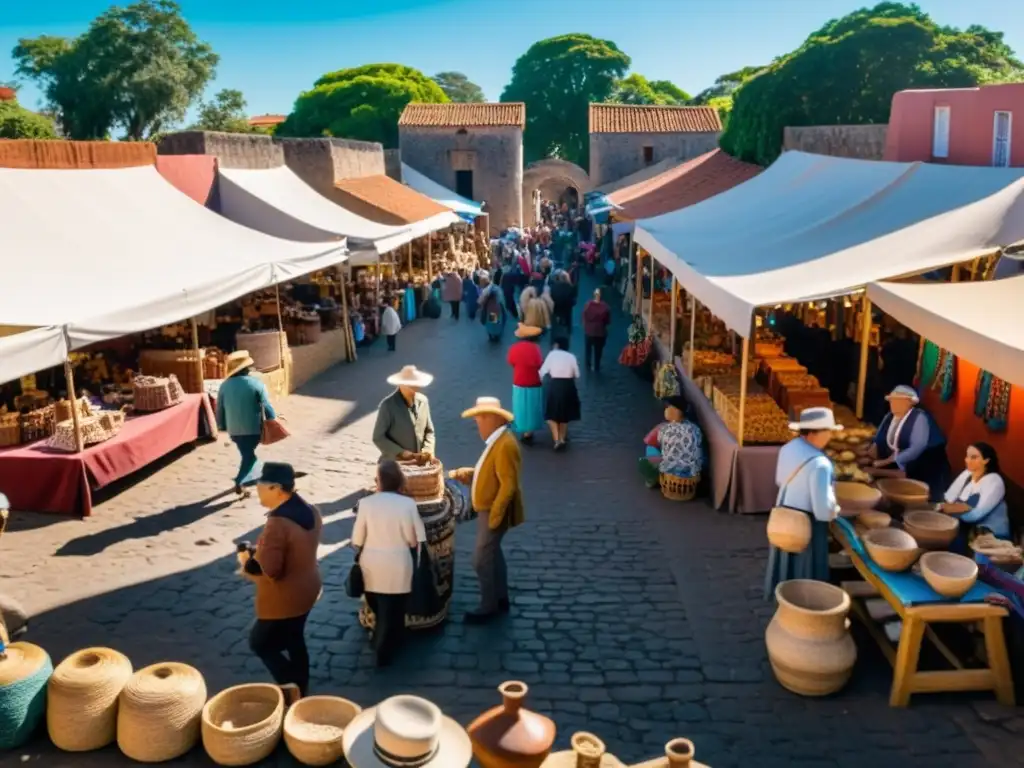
632, 617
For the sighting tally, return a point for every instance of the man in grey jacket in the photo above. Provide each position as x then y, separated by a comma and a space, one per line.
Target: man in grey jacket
404, 429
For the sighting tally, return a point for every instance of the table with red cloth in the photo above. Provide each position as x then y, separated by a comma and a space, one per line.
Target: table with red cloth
37, 478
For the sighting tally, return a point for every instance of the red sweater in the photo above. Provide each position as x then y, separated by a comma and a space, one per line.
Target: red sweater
596, 318
526, 361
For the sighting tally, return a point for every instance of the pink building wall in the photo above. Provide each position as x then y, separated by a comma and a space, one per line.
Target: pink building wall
911, 124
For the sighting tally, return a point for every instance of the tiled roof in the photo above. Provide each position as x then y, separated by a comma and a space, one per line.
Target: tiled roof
688, 183
382, 199
454, 115
267, 120
647, 118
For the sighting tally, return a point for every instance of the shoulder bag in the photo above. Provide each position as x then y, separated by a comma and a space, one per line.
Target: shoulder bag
271, 430
354, 585
789, 529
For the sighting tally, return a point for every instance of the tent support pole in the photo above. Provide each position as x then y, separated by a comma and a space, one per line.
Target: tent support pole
280, 334
195, 351
862, 371
955, 276
638, 296
693, 333
409, 256
650, 309
430, 260
350, 341
69, 382
672, 327
380, 266
743, 390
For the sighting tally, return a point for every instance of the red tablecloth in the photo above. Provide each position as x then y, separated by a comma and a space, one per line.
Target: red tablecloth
36, 478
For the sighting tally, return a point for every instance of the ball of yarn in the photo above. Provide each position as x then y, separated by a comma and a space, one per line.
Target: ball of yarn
81, 699
159, 712
24, 670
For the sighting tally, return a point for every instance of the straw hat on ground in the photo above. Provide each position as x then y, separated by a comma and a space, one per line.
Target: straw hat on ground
405, 731
236, 362
524, 331
903, 392
816, 419
410, 376
487, 405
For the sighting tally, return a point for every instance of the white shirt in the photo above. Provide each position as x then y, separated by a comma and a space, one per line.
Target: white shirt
390, 323
387, 526
488, 444
560, 364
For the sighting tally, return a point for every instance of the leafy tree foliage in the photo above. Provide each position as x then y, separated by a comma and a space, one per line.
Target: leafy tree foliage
360, 103
16, 122
225, 112
637, 89
458, 87
558, 78
847, 72
139, 68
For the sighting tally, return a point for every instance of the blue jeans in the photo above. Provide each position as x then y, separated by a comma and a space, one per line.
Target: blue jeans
246, 445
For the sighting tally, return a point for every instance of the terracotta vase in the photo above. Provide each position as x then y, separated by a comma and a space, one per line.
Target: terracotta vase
587, 751
808, 639
510, 736
678, 754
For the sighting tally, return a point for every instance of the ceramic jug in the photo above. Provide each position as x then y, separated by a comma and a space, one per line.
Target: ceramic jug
510, 736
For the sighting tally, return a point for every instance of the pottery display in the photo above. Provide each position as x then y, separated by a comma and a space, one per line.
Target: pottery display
857, 495
871, 518
808, 640
901, 490
587, 751
933, 530
242, 725
678, 754
789, 529
949, 574
891, 548
313, 728
510, 736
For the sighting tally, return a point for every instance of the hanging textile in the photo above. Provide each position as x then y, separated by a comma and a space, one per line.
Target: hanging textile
992, 401
945, 381
928, 366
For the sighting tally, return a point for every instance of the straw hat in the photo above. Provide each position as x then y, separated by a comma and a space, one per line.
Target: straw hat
410, 376
405, 731
903, 392
816, 419
236, 361
525, 331
487, 405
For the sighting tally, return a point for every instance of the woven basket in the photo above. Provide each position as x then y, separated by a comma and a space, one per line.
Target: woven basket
10, 431
24, 671
678, 488
159, 712
81, 699
93, 433
112, 421
424, 482
313, 728
242, 725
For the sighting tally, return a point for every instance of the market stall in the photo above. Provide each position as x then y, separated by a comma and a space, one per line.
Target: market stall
440, 194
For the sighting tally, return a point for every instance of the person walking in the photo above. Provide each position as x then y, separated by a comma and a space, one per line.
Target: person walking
387, 536
497, 496
243, 404
284, 567
452, 291
527, 393
597, 316
390, 325
470, 294
563, 298
562, 402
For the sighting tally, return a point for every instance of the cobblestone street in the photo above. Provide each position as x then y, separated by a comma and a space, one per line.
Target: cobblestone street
632, 617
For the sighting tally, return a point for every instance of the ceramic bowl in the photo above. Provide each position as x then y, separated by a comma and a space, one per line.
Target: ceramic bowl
956, 508
932, 530
857, 495
949, 574
869, 518
891, 548
909, 493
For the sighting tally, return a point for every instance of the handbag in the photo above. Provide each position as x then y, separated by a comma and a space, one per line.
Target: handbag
424, 599
789, 529
271, 430
354, 585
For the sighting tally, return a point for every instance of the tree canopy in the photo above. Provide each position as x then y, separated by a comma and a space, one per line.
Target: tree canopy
138, 68
637, 89
225, 112
458, 87
847, 72
360, 103
16, 122
558, 78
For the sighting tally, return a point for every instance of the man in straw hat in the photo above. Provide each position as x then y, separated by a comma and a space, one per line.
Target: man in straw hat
243, 403
404, 429
405, 731
497, 498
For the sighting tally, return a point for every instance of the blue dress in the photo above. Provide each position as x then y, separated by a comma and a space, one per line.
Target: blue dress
920, 449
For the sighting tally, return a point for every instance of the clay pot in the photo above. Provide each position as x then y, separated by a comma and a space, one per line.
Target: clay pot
909, 493
789, 529
510, 736
933, 530
587, 751
891, 548
809, 645
949, 574
678, 754
857, 496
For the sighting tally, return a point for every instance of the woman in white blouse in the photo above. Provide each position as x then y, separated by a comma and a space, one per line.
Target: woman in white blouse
562, 401
981, 488
387, 536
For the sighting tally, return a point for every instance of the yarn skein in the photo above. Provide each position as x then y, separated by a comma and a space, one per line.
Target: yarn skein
81, 709
24, 671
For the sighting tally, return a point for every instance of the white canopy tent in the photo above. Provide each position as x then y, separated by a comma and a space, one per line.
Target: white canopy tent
981, 322
92, 255
440, 193
811, 227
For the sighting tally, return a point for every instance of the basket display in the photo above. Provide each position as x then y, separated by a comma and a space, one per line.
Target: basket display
63, 411
81, 699
314, 726
91, 427
111, 420
32, 400
264, 348
37, 424
10, 430
242, 724
155, 394
215, 365
181, 363
24, 670
424, 481
678, 488
159, 712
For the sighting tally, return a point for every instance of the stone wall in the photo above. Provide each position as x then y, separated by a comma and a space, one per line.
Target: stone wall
615, 155
864, 142
393, 163
232, 150
495, 155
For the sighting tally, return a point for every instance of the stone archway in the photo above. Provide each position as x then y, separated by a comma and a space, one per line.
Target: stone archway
551, 179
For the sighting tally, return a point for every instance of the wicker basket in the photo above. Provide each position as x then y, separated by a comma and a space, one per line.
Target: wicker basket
264, 348
10, 430
155, 394
159, 712
424, 481
62, 410
182, 363
111, 420
81, 699
242, 725
678, 488
313, 728
37, 424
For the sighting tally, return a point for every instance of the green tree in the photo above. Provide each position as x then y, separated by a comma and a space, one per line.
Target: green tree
16, 122
360, 103
847, 73
637, 89
225, 112
458, 87
139, 68
558, 79
725, 85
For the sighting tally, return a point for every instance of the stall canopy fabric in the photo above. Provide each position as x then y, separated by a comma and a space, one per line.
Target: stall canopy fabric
91, 255
440, 194
981, 322
383, 199
813, 227
642, 175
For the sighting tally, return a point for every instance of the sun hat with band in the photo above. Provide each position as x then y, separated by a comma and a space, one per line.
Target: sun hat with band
524, 331
816, 419
487, 405
405, 732
237, 361
410, 376
905, 393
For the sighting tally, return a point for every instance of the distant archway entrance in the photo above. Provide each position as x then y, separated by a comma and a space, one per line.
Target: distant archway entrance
552, 179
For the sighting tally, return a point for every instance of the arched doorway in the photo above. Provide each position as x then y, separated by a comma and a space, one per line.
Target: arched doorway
555, 180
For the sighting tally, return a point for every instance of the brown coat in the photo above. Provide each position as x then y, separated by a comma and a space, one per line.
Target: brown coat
289, 585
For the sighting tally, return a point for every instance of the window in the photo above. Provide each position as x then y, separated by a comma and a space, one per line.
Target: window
940, 132
464, 184
648, 155
1001, 125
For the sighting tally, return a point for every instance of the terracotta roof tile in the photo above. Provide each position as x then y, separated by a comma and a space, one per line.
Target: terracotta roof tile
454, 115
647, 118
385, 200
267, 119
688, 183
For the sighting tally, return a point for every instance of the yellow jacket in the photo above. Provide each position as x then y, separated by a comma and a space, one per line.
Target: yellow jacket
496, 489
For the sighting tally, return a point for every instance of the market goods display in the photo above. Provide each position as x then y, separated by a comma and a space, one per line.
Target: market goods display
24, 671
909, 493
314, 726
872, 519
763, 421
81, 699
10, 429
679, 753
63, 410
638, 347
155, 394
93, 432
159, 712
587, 751
949, 574
264, 347
215, 365
37, 424
509, 735
242, 724
708, 362
891, 549
301, 326
424, 478
1003, 554
856, 496
932, 530
184, 364
808, 642
31, 400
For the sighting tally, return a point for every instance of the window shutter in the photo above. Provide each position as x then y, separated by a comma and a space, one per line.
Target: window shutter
940, 132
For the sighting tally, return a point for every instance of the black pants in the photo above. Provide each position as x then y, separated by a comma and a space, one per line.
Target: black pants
594, 347
455, 309
272, 639
389, 611
391, 341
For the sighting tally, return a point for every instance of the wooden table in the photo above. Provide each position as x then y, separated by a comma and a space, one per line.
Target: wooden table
917, 621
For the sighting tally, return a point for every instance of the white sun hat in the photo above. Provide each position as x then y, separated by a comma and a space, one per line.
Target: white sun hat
410, 376
905, 393
406, 731
816, 419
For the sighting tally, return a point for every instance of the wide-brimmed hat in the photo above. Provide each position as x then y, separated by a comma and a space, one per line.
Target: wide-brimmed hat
903, 392
410, 376
816, 419
405, 731
487, 405
236, 362
524, 331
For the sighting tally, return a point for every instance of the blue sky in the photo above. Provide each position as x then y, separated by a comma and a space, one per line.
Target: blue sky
272, 50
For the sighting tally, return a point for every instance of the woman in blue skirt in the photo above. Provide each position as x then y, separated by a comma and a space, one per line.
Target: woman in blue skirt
527, 393
492, 309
